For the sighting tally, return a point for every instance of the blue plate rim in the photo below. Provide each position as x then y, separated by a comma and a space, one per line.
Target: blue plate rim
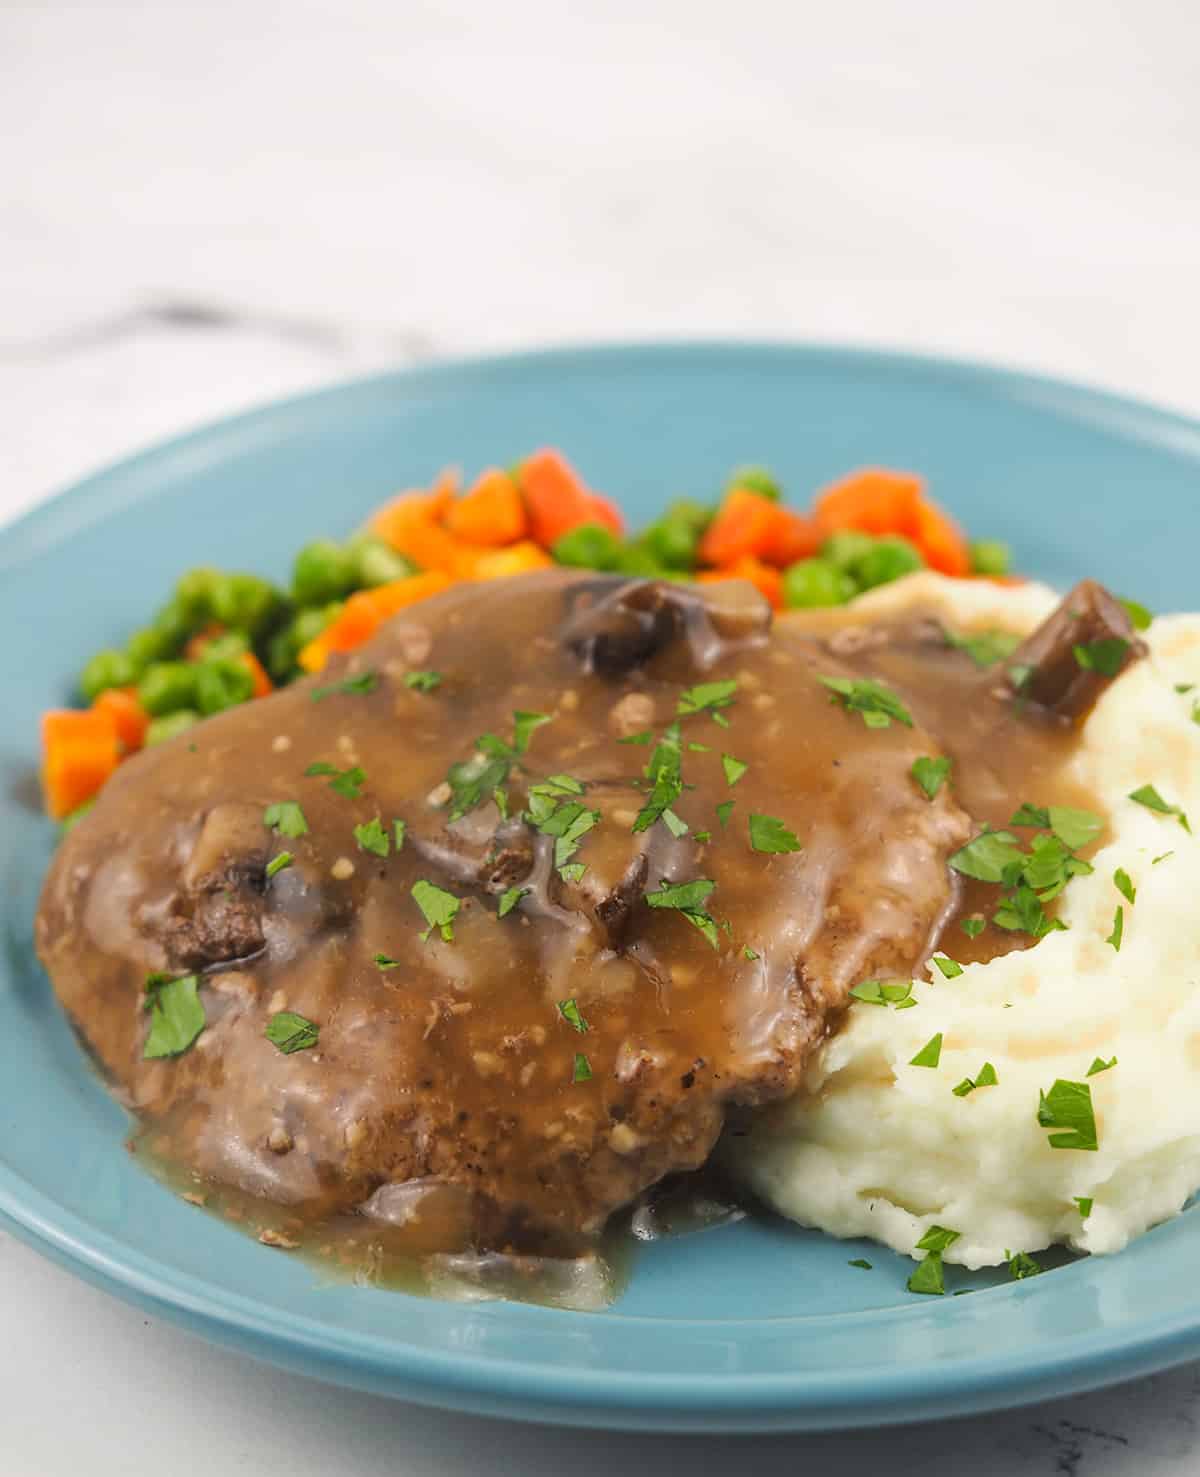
887, 1394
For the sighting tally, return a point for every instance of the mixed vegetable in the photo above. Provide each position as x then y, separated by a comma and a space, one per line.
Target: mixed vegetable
226, 638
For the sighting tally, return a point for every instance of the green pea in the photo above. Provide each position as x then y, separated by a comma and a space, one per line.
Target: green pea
891, 557
673, 543
755, 479
170, 726
637, 560
69, 822
174, 625
688, 510
847, 549
305, 626
144, 647
587, 546
221, 685
810, 583
193, 593
243, 602
226, 647
323, 570
990, 556
106, 669
167, 686
377, 563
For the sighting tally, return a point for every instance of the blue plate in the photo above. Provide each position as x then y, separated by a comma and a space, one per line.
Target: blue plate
749, 1327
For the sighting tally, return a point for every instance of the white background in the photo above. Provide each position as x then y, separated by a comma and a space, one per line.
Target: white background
206, 205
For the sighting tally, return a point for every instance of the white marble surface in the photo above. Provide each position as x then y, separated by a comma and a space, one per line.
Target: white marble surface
205, 206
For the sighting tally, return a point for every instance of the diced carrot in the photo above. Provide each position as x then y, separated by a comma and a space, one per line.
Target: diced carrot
418, 505
491, 513
792, 537
744, 525
128, 718
872, 500
555, 497
763, 577
80, 752
365, 612
1010, 581
194, 649
262, 683
603, 510
941, 540
522, 558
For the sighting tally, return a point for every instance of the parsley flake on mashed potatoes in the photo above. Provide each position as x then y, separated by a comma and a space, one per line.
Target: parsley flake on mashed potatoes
876, 1146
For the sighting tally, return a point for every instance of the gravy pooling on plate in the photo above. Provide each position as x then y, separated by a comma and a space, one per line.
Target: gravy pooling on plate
492, 921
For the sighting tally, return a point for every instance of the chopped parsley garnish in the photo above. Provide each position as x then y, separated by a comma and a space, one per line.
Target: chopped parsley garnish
277, 863
423, 681
938, 1238
1100, 1065
724, 811
348, 782
1182, 687
509, 899
291, 1032
665, 776
440, 908
1139, 617
734, 769
688, 898
285, 818
988, 856
950, 968
710, 698
524, 726
1105, 656
930, 774
385, 961
568, 821
582, 1070
1021, 911
176, 1015
749, 953
972, 927
769, 834
1148, 796
1085, 1203
1124, 885
860, 1261
372, 837
985, 1077
573, 871
703, 835
876, 704
1019, 674
930, 1054
1118, 929
928, 1277
879, 992
399, 831
675, 824
1022, 1265
364, 682
1068, 1106
1161, 858
645, 737
985, 648
1074, 828
1031, 815
570, 1012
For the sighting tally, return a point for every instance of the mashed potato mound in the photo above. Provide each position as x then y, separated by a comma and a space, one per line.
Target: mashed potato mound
876, 1147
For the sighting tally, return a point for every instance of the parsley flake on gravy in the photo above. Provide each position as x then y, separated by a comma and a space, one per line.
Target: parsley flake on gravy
291, 1032
385, 961
285, 818
973, 926
1118, 929
1124, 885
176, 1014
710, 698
348, 782
278, 863
930, 1054
1074, 828
1148, 796
363, 683
573, 871
769, 834
582, 1069
440, 908
1105, 656
930, 774
987, 857
876, 704
724, 811
1068, 1106
423, 681
985, 648
734, 769
509, 899
373, 838
688, 898
950, 968
399, 830
570, 1012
